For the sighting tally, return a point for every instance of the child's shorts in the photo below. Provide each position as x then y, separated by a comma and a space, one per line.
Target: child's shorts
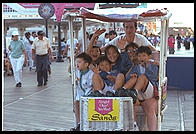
80, 93
107, 88
147, 94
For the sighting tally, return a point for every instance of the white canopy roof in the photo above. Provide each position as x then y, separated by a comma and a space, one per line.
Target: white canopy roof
125, 14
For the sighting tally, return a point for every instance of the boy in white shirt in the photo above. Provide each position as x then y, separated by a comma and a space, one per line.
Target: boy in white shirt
85, 83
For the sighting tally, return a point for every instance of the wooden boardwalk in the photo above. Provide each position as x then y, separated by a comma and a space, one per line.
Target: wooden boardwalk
50, 108
39, 108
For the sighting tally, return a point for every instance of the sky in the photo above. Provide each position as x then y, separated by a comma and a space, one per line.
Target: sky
182, 13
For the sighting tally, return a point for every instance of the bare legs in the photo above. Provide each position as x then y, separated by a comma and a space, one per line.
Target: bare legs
119, 81
141, 83
130, 83
150, 108
98, 83
149, 105
77, 111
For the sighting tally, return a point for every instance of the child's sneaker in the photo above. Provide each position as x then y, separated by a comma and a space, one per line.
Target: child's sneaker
120, 92
109, 94
132, 93
95, 93
135, 127
77, 128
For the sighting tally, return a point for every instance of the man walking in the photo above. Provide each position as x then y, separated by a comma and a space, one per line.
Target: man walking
179, 40
41, 47
28, 41
17, 57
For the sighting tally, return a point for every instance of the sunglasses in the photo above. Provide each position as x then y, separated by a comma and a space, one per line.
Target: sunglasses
130, 51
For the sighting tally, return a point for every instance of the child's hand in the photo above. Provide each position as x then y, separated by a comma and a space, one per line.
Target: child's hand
77, 80
111, 78
134, 75
144, 64
156, 62
137, 102
121, 43
99, 32
95, 68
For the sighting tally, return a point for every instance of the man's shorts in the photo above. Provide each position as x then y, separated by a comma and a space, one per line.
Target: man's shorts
147, 94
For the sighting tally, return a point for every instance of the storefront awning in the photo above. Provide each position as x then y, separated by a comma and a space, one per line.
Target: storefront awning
67, 5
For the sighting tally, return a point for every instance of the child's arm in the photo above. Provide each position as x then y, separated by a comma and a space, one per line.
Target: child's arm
111, 78
91, 43
152, 72
95, 68
134, 75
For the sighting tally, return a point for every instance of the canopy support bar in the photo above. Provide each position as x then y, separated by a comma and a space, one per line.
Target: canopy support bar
72, 56
163, 54
84, 46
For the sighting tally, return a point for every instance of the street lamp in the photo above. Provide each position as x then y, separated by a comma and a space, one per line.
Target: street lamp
59, 57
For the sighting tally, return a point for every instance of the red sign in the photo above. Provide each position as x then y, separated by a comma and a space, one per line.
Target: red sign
59, 10
103, 106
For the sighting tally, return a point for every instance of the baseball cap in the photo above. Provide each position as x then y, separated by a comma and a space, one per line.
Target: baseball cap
40, 33
15, 33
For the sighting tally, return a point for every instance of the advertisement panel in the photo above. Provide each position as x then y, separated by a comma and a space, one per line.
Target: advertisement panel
103, 110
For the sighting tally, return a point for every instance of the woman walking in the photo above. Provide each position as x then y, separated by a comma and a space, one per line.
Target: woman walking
17, 57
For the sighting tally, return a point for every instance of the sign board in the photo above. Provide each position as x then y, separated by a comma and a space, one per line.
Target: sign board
103, 110
46, 10
59, 10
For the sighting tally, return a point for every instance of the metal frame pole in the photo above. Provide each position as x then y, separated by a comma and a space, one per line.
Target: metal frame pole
59, 57
165, 47
72, 57
84, 46
46, 25
161, 68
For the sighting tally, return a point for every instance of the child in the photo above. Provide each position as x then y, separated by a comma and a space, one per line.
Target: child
93, 50
7, 65
84, 86
145, 85
85, 77
112, 79
131, 79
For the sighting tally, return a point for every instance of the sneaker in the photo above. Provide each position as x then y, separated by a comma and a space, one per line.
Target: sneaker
135, 127
30, 68
120, 92
95, 94
132, 93
91, 94
45, 83
39, 85
109, 94
19, 84
77, 128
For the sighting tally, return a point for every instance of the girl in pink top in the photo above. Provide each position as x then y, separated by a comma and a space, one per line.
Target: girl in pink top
171, 42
